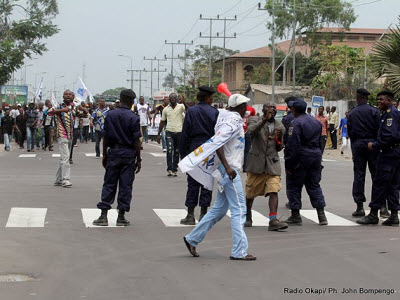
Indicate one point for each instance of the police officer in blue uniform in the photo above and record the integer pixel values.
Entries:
(121, 158)
(362, 126)
(198, 127)
(303, 156)
(385, 184)
(288, 117)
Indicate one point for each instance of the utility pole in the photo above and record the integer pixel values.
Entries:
(139, 80)
(151, 81)
(172, 56)
(273, 47)
(158, 68)
(131, 80)
(224, 37)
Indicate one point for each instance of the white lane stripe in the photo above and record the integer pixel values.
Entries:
(26, 217)
(92, 154)
(157, 154)
(258, 219)
(56, 155)
(27, 155)
(91, 214)
(333, 220)
(172, 217)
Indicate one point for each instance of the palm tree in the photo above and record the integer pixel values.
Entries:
(385, 59)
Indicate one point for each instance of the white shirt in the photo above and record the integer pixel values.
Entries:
(143, 113)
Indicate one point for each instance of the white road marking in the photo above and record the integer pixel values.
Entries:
(258, 219)
(157, 154)
(27, 155)
(328, 160)
(26, 217)
(172, 217)
(150, 144)
(92, 154)
(91, 214)
(333, 220)
(56, 155)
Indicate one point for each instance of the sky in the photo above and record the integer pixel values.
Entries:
(94, 32)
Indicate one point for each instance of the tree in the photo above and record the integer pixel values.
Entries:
(22, 37)
(385, 59)
(311, 15)
(114, 92)
(259, 75)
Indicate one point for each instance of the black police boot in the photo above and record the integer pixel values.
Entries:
(393, 220)
(321, 216)
(249, 221)
(102, 220)
(371, 219)
(384, 213)
(359, 211)
(121, 221)
(295, 218)
(203, 212)
(189, 220)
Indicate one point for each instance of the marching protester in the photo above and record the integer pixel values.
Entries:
(263, 164)
(20, 121)
(303, 156)
(143, 111)
(228, 145)
(345, 139)
(173, 115)
(159, 110)
(362, 127)
(48, 123)
(7, 126)
(198, 128)
(40, 129)
(31, 123)
(324, 123)
(98, 118)
(121, 159)
(333, 124)
(385, 183)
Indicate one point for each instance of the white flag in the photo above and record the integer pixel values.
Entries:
(53, 100)
(81, 92)
(38, 94)
(91, 99)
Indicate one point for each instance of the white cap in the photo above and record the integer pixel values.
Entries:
(237, 99)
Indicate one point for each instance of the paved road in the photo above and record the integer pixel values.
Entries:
(149, 261)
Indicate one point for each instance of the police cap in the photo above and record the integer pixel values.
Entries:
(386, 93)
(299, 105)
(206, 89)
(363, 92)
(128, 93)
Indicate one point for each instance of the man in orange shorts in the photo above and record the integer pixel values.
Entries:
(263, 164)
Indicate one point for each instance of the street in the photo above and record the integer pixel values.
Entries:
(65, 259)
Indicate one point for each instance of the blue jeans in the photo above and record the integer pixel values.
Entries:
(31, 137)
(233, 198)
(7, 142)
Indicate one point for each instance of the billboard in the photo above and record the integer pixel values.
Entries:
(14, 94)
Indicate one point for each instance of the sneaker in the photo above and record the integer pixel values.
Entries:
(66, 184)
(164, 150)
(170, 174)
(175, 174)
(58, 183)
(97, 157)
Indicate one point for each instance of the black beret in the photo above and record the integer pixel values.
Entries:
(129, 93)
(363, 92)
(206, 89)
(386, 93)
(299, 105)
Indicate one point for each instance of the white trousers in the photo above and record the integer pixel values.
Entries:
(345, 146)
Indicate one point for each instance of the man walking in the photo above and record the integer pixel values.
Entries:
(7, 126)
(303, 156)
(385, 183)
(263, 164)
(362, 127)
(198, 128)
(99, 116)
(333, 124)
(143, 111)
(159, 110)
(121, 158)
(345, 138)
(21, 127)
(173, 114)
(40, 128)
(230, 140)
(324, 122)
(31, 123)
(49, 123)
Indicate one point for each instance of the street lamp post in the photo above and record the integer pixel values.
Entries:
(126, 56)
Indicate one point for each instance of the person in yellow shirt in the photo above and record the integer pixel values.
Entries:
(333, 125)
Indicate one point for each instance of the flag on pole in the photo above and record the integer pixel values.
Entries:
(81, 92)
(53, 100)
(91, 99)
(38, 94)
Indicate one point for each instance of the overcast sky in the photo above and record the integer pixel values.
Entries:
(94, 32)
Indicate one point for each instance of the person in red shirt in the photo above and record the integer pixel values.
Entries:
(250, 112)
(324, 122)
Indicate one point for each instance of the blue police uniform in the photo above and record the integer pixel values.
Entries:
(121, 128)
(362, 127)
(385, 184)
(198, 127)
(303, 156)
(289, 117)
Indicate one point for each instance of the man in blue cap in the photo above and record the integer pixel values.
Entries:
(198, 128)
(385, 183)
(303, 156)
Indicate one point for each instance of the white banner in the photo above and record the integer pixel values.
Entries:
(81, 92)
(38, 94)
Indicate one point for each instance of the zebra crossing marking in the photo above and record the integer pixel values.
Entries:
(91, 214)
(26, 217)
(333, 220)
(92, 155)
(27, 155)
(157, 154)
(172, 217)
(56, 155)
(258, 219)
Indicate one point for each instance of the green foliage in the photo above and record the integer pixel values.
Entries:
(114, 92)
(23, 37)
(311, 15)
(385, 59)
(306, 68)
(260, 75)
